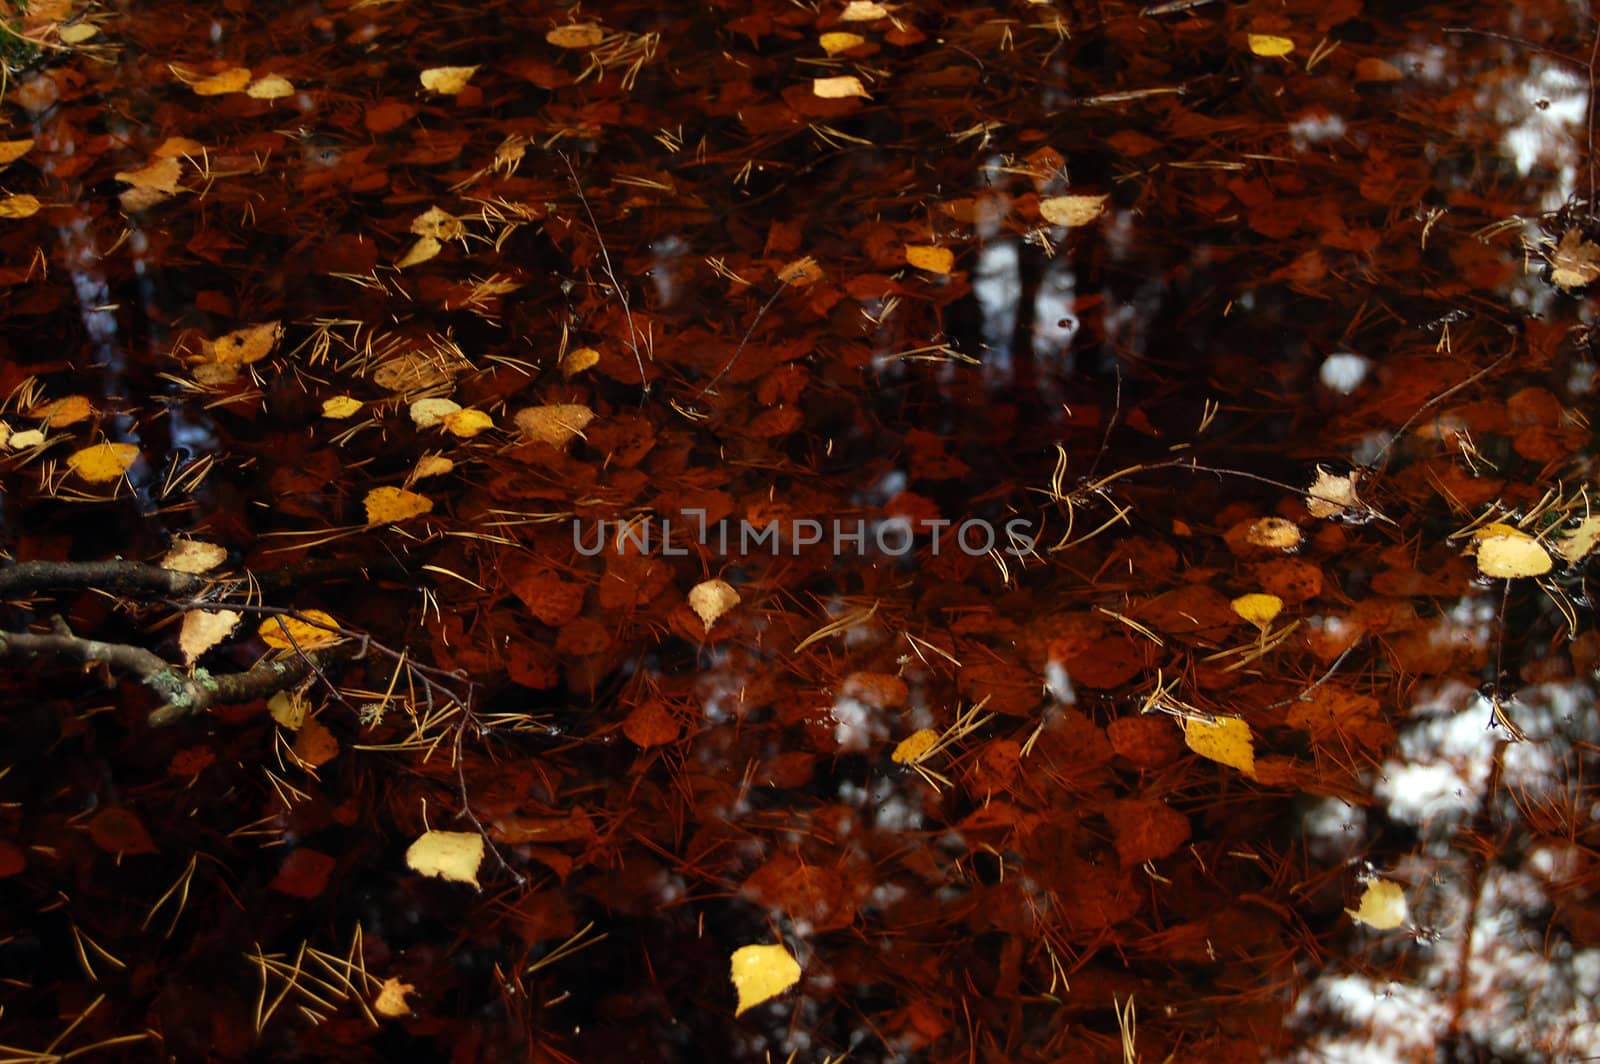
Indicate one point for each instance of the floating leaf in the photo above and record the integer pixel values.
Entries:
(232, 80)
(1383, 906)
(913, 747)
(193, 556)
(289, 709)
(424, 249)
(12, 150)
(452, 855)
(1330, 495)
(271, 87)
(391, 999)
(300, 633)
(23, 206)
(1226, 741)
(557, 424)
(1506, 553)
(1578, 543)
(576, 35)
(1276, 533)
(430, 465)
(1072, 210)
(204, 629)
(387, 505)
(651, 724)
(834, 43)
(841, 87)
(120, 831)
(439, 224)
(467, 423)
(801, 272)
(761, 973)
(710, 599)
(59, 413)
(1269, 46)
(1258, 609)
(426, 413)
(244, 346)
(930, 258)
(340, 407)
(1575, 262)
(578, 360)
(103, 462)
(447, 80)
(863, 11)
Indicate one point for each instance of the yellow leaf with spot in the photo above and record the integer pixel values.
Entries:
(1072, 210)
(103, 462)
(761, 973)
(340, 407)
(276, 632)
(447, 80)
(930, 258)
(1383, 906)
(841, 87)
(1270, 46)
(243, 346)
(387, 506)
(914, 747)
(1259, 609)
(1226, 741)
(452, 855)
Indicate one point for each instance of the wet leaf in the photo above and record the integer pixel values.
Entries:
(576, 361)
(1575, 262)
(1071, 210)
(711, 599)
(244, 346)
(301, 633)
(1506, 553)
(840, 87)
(391, 998)
(576, 35)
(1330, 495)
(761, 973)
(22, 206)
(1258, 609)
(1270, 46)
(1226, 741)
(913, 747)
(451, 855)
(340, 407)
(59, 413)
(834, 43)
(271, 87)
(193, 556)
(121, 832)
(103, 462)
(932, 259)
(231, 80)
(1383, 906)
(557, 424)
(447, 80)
(389, 505)
(204, 629)
(12, 150)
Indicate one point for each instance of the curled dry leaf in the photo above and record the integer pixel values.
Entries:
(103, 462)
(1383, 906)
(388, 505)
(710, 599)
(761, 973)
(204, 629)
(556, 424)
(452, 855)
(289, 633)
(193, 556)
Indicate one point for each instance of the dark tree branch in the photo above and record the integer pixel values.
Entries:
(141, 578)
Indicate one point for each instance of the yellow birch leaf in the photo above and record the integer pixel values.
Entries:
(22, 206)
(710, 599)
(556, 424)
(193, 556)
(452, 855)
(439, 224)
(204, 629)
(761, 973)
(1329, 495)
(912, 748)
(838, 88)
(424, 249)
(177, 148)
(467, 423)
(59, 413)
(426, 413)
(26, 438)
(578, 360)
(1259, 609)
(1510, 554)
(161, 175)
(1072, 210)
(340, 407)
(1227, 742)
(78, 32)
(863, 11)
(391, 999)
(103, 462)
(1575, 261)
(305, 634)
(447, 80)
(1277, 533)
(430, 465)
(271, 87)
(244, 346)
(932, 259)
(288, 709)
(576, 35)
(802, 273)
(1576, 544)
(12, 150)
(1383, 906)
(232, 80)
(1269, 46)
(386, 506)
(834, 43)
